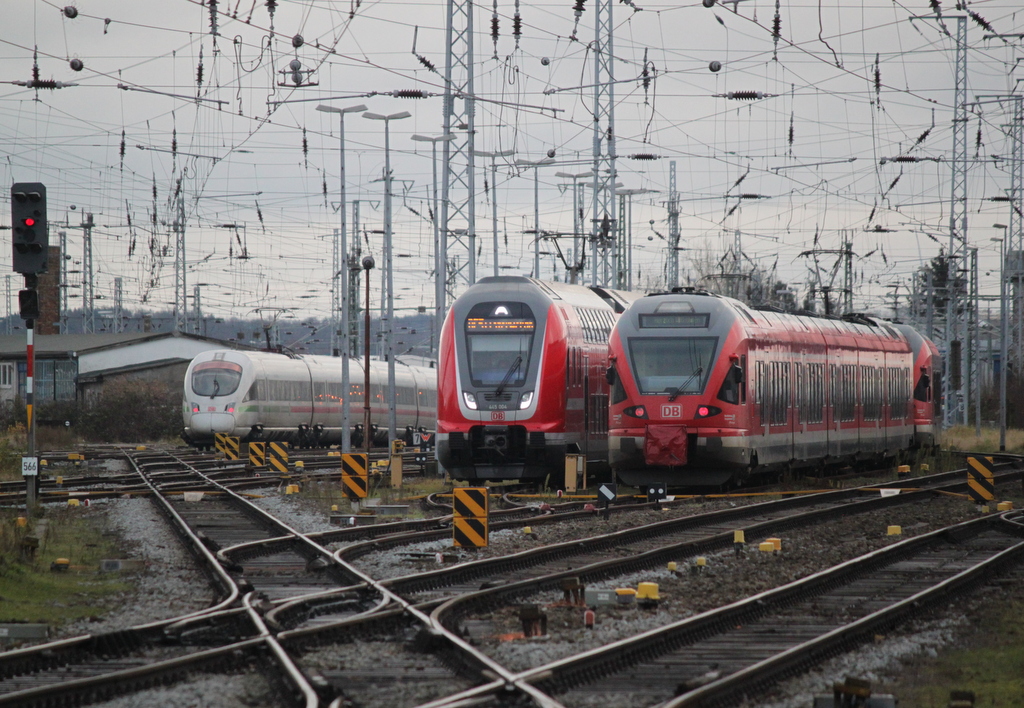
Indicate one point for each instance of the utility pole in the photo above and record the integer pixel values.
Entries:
(88, 290)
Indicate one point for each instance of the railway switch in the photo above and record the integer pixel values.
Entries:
(534, 619)
(572, 591)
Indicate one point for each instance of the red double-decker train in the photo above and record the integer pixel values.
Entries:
(521, 378)
(706, 391)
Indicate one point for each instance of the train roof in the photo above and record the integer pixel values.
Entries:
(579, 295)
(756, 319)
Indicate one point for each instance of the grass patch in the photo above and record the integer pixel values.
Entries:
(964, 437)
(989, 660)
(31, 592)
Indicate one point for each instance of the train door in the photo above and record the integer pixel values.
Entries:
(588, 418)
(800, 406)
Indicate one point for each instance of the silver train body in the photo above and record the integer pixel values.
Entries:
(298, 399)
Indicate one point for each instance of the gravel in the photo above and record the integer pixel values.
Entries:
(727, 578)
(170, 585)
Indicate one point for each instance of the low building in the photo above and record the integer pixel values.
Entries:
(75, 367)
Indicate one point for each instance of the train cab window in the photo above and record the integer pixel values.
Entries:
(618, 391)
(253, 394)
(499, 337)
(922, 392)
(730, 390)
(672, 365)
(216, 378)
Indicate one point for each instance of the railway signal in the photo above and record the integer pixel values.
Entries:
(28, 224)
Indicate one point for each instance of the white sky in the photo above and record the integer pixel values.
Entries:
(70, 138)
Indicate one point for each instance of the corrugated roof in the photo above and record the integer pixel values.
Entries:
(12, 346)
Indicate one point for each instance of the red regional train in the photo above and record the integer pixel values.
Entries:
(706, 391)
(521, 378)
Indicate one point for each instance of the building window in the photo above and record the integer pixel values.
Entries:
(6, 375)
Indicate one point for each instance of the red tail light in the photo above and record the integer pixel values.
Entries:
(707, 411)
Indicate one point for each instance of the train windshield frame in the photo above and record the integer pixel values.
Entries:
(672, 365)
(499, 341)
(216, 378)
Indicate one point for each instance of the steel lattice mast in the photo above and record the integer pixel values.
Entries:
(603, 212)
(957, 369)
(673, 227)
(458, 214)
(1015, 247)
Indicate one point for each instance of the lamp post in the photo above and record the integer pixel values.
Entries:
(439, 265)
(535, 164)
(577, 218)
(341, 267)
(494, 194)
(389, 263)
(367, 432)
(1003, 348)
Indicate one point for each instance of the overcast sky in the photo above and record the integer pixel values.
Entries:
(845, 85)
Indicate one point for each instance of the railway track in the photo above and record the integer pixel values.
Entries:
(734, 653)
(300, 615)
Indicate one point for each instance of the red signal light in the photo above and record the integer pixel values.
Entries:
(703, 411)
(640, 412)
(29, 221)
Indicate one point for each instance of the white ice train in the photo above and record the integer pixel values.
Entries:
(298, 399)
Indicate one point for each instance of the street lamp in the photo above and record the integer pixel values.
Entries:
(340, 301)
(536, 208)
(1003, 348)
(494, 194)
(439, 269)
(388, 263)
(367, 432)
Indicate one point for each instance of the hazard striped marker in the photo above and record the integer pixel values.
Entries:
(219, 442)
(355, 480)
(277, 456)
(257, 454)
(470, 501)
(231, 445)
(469, 532)
(469, 524)
(980, 486)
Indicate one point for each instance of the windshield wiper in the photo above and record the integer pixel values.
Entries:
(674, 393)
(216, 387)
(508, 375)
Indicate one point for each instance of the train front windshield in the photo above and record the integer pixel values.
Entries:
(675, 366)
(499, 337)
(216, 378)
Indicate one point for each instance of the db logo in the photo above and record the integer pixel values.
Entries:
(675, 411)
(497, 415)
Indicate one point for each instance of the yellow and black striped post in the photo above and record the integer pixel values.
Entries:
(980, 486)
(231, 444)
(257, 454)
(277, 456)
(355, 478)
(469, 524)
(219, 442)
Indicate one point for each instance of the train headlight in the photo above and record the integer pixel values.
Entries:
(706, 411)
(525, 400)
(470, 400)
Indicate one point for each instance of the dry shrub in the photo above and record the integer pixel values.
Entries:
(133, 411)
